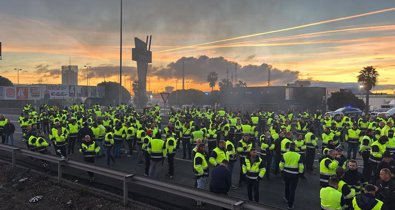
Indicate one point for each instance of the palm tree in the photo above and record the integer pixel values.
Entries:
(367, 78)
(212, 78)
(241, 84)
(225, 85)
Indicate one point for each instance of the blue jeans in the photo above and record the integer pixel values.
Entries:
(201, 184)
(117, 149)
(10, 139)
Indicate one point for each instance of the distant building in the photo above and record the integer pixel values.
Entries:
(300, 83)
(276, 98)
(70, 75)
(169, 89)
(377, 100)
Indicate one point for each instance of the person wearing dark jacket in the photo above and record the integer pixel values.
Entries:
(9, 130)
(367, 201)
(353, 177)
(221, 179)
(386, 192)
(86, 130)
(277, 154)
(387, 162)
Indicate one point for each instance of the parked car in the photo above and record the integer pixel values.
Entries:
(345, 111)
(387, 113)
(378, 111)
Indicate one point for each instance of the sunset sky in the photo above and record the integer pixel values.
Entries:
(320, 40)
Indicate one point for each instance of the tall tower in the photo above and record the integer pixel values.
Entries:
(70, 75)
(143, 56)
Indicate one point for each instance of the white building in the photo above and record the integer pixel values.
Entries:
(70, 75)
(375, 101)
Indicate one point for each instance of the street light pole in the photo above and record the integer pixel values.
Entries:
(120, 59)
(87, 72)
(18, 69)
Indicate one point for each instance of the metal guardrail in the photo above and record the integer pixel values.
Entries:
(183, 191)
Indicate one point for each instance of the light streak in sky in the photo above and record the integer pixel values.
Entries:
(282, 30)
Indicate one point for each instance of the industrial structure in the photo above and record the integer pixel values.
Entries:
(70, 75)
(143, 56)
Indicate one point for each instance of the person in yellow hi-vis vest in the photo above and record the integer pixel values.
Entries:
(331, 198)
(89, 150)
(218, 154)
(328, 166)
(200, 167)
(254, 170)
(367, 200)
(157, 150)
(292, 166)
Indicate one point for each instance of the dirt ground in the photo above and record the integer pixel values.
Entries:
(18, 186)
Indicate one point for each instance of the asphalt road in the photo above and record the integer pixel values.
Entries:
(271, 191)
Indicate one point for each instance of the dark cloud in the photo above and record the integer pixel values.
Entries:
(253, 74)
(109, 71)
(197, 69)
(46, 73)
(250, 57)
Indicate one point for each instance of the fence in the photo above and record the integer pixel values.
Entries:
(183, 191)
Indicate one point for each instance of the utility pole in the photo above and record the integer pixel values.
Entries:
(268, 77)
(236, 73)
(183, 76)
(18, 69)
(87, 76)
(120, 60)
(1, 58)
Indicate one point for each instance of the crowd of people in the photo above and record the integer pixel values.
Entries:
(264, 144)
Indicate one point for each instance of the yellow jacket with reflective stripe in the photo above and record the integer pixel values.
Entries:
(330, 198)
(255, 170)
(220, 156)
(171, 144)
(157, 149)
(89, 150)
(291, 163)
(201, 169)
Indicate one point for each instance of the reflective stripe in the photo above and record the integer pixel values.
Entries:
(325, 174)
(61, 144)
(291, 172)
(156, 155)
(89, 155)
(351, 140)
(373, 160)
(250, 177)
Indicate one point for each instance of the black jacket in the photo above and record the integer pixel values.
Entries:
(383, 164)
(9, 128)
(220, 180)
(386, 193)
(354, 179)
(85, 131)
(366, 201)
